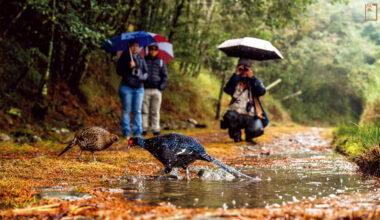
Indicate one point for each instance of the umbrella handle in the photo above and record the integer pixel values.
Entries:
(130, 53)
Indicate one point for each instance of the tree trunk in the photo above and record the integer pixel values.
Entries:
(78, 72)
(43, 87)
(144, 8)
(175, 20)
(121, 28)
(218, 107)
(154, 19)
(68, 62)
(14, 20)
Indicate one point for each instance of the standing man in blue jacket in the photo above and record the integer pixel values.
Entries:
(134, 71)
(245, 110)
(154, 85)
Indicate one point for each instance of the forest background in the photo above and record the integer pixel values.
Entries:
(54, 74)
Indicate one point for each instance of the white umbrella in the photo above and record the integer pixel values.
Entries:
(251, 48)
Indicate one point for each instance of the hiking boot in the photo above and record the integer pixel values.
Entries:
(250, 140)
(156, 133)
(237, 139)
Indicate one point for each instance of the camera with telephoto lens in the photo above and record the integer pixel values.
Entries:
(243, 69)
(136, 72)
(249, 106)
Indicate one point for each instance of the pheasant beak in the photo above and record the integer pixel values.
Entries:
(115, 139)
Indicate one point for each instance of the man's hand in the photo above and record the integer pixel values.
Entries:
(133, 64)
(238, 72)
(249, 72)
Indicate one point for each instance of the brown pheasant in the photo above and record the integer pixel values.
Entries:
(92, 139)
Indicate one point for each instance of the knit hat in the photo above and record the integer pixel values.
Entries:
(245, 62)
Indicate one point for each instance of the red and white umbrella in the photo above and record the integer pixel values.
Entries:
(165, 48)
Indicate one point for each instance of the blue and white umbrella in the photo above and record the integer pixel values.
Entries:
(120, 42)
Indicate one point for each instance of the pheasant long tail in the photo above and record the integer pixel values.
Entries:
(72, 144)
(227, 168)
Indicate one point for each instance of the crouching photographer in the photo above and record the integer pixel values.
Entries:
(245, 110)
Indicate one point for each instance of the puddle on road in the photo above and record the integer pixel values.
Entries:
(301, 166)
(279, 185)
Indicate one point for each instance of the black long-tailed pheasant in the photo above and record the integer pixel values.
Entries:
(92, 139)
(177, 150)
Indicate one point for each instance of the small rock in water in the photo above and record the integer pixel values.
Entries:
(35, 139)
(76, 218)
(225, 206)
(22, 140)
(63, 184)
(252, 155)
(206, 174)
(4, 137)
(175, 172)
(111, 190)
(167, 177)
(63, 195)
(127, 177)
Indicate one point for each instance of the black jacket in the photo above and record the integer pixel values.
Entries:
(126, 72)
(257, 89)
(257, 86)
(157, 73)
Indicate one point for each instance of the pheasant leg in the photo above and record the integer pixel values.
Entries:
(93, 156)
(187, 173)
(80, 156)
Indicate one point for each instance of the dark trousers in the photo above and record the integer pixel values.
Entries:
(234, 121)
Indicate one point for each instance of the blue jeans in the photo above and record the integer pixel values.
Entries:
(131, 98)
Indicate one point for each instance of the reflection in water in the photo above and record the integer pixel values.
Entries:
(279, 185)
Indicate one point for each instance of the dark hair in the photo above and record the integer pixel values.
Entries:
(153, 47)
(133, 41)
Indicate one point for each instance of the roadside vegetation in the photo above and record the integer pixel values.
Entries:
(361, 145)
(360, 140)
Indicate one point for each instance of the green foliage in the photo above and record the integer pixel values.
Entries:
(60, 37)
(330, 53)
(190, 97)
(365, 136)
(329, 60)
(372, 32)
(361, 144)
